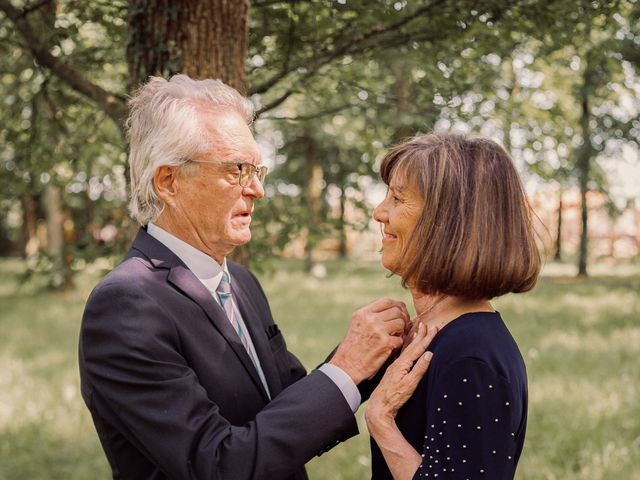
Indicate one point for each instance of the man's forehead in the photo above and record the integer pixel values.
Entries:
(231, 137)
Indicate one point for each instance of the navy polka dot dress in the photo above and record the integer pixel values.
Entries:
(468, 416)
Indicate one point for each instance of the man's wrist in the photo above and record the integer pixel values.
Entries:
(353, 375)
(344, 383)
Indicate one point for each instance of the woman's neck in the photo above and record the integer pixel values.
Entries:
(438, 310)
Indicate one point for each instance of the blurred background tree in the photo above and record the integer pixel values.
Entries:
(334, 83)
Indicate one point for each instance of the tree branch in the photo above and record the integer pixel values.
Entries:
(273, 104)
(113, 105)
(312, 116)
(268, 3)
(31, 8)
(328, 54)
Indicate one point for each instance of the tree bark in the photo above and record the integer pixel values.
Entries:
(401, 91)
(202, 39)
(55, 219)
(612, 237)
(342, 224)
(584, 166)
(636, 218)
(313, 195)
(558, 253)
(29, 242)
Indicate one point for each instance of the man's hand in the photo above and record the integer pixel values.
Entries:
(375, 332)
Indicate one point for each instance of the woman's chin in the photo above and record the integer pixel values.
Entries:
(390, 265)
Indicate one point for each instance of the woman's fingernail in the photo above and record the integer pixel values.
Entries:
(427, 356)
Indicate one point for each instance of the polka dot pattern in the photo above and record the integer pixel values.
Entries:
(468, 416)
(471, 433)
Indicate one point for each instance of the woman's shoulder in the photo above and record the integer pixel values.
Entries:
(478, 337)
(472, 330)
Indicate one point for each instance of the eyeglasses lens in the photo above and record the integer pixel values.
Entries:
(247, 171)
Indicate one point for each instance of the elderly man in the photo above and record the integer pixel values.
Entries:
(182, 367)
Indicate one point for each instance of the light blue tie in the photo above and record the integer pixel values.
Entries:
(226, 300)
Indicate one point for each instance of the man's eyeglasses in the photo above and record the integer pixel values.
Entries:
(247, 171)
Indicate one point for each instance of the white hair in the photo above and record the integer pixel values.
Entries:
(165, 127)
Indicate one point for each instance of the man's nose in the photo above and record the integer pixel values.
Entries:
(255, 189)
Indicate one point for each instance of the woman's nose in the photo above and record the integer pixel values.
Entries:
(379, 213)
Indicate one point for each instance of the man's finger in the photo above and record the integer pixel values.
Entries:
(396, 342)
(391, 314)
(385, 303)
(393, 327)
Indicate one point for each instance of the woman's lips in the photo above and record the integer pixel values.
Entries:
(387, 237)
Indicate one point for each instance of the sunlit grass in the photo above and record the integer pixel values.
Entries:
(580, 340)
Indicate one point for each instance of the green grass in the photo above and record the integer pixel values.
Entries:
(580, 340)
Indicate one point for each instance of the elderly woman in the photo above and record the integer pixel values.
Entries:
(457, 230)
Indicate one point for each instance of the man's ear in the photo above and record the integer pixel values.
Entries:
(165, 183)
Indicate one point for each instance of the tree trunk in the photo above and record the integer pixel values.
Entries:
(29, 242)
(636, 218)
(314, 196)
(514, 90)
(342, 224)
(401, 91)
(202, 39)
(55, 232)
(558, 253)
(612, 235)
(584, 165)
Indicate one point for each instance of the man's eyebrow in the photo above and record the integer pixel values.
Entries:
(238, 157)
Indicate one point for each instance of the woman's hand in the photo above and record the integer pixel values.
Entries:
(400, 380)
(397, 385)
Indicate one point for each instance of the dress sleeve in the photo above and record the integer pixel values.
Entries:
(472, 423)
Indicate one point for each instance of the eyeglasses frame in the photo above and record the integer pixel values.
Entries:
(259, 170)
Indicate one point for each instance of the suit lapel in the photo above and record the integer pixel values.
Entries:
(259, 338)
(183, 279)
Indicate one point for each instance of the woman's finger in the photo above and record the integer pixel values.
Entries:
(409, 382)
(413, 350)
(420, 342)
(420, 368)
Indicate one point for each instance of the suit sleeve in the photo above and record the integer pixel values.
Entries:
(130, 356)
(473, 425)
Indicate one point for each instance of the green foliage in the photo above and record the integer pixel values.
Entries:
(56, 137)
(352, 76)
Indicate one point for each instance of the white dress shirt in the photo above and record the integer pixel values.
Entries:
(209, 272)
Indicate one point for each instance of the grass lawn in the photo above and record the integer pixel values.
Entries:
(580, 340)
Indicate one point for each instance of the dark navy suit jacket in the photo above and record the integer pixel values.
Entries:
(172, 391)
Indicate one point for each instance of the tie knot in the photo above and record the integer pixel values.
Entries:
(224, 287)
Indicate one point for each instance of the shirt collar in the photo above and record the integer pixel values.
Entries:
(208, 271)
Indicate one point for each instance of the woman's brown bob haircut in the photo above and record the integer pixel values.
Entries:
(474, 238)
